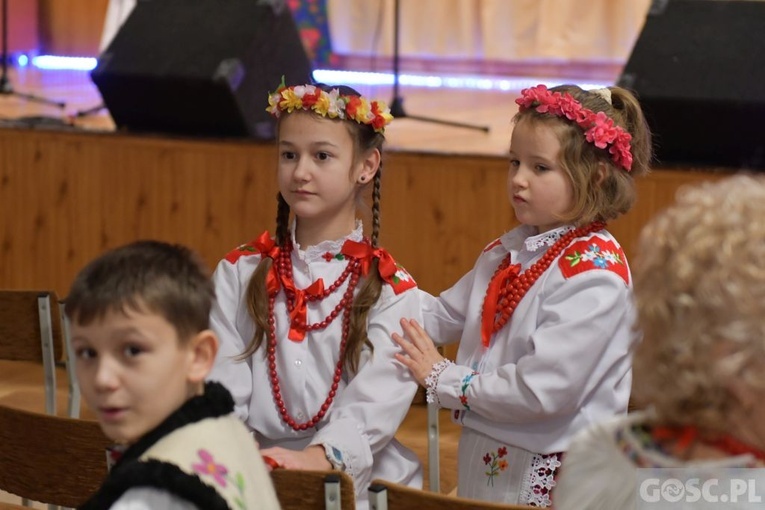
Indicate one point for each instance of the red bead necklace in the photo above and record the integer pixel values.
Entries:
(284, 271)
(298, 297)
(508, 285)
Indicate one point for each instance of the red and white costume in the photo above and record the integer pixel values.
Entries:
(562, 362)
(369, 405)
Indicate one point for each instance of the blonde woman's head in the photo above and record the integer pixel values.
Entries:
(700, 290)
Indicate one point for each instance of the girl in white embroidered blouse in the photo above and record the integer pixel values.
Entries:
(305, 317)
(544, 318)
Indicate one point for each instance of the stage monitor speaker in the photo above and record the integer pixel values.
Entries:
(200, 67)
(698, 68)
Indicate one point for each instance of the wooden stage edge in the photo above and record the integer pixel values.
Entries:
(66, 196)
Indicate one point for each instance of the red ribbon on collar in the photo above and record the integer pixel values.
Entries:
(491, 301)
(365, 254)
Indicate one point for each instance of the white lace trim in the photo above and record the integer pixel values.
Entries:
(431, 381)
(541, 480)
(548, 238)
(317, 251)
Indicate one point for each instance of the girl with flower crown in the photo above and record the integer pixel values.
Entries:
(305, 317)
(545, 316)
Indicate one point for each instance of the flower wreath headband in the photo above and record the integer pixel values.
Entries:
(599, 128)
(330, 104)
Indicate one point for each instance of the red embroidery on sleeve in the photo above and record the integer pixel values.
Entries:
(401, 280)
(263, 245)
(242, 251)
(594, 253)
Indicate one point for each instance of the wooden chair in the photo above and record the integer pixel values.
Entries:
(384, 495)
(434, 457)
(31, 331)
(50, 459)
(314, 490)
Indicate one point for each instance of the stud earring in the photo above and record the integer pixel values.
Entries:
(362, 179)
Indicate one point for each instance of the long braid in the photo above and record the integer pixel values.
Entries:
(376, 207)
(282, 220)
(257, 296)
(370, 290)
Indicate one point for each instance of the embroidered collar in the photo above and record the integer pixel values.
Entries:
(318, 251)
(546, 239)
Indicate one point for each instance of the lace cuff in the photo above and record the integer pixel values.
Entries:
(431, 381)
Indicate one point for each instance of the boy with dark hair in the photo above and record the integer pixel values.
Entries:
(139, 327)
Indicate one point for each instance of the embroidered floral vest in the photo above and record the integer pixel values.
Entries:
(202, 453)
(213, 449)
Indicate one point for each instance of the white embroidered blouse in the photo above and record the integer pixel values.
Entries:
(561, 363)
(369, 405)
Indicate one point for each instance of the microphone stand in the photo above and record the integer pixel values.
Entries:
(6, 88)
(397, 104)
(90, 111)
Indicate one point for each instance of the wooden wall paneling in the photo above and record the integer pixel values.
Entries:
(71, 27)
(66, 197)
(655, 192)
(438, 214)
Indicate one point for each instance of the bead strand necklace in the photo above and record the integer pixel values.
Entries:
(284, 269)
(497, 310)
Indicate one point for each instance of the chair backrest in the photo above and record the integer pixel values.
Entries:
(23, 323)
(31, 330)
(384, 495)
(314, 490)
(11, 506)
(51, 459)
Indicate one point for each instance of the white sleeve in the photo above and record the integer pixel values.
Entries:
(371, 408)
(584, 330)
(444, 316)
(149, 498)
(234, 374)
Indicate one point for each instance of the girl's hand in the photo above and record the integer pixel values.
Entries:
(312, 458)
(420, 352)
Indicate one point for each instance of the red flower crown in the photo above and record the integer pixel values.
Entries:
(599, 128)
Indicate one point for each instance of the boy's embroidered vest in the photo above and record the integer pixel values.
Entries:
(212, 450)
(212, 463)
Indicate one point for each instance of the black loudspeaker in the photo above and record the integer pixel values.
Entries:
(698, 68)
(200, 67)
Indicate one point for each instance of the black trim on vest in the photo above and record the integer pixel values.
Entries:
(214, 403)
(129, 472)
(159, 475)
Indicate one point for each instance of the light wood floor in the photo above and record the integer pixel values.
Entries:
(21, 386)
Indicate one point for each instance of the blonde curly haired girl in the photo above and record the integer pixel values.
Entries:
(699, 284)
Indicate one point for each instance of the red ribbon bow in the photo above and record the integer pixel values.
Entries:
(268, 248)
(299, 314)
(386, 266)
(491, 301)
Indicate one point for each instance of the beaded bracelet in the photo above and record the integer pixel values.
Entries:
(431, 381)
